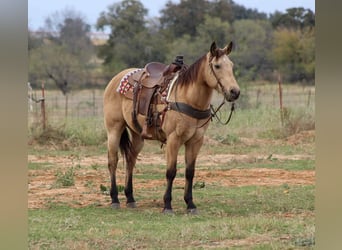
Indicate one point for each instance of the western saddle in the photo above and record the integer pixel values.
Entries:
(150, 87)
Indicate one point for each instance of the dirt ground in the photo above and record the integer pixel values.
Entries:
(88, 179)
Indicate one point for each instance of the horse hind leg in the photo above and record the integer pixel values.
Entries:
(130, 148)
(114, 137)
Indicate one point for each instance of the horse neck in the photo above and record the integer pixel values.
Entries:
(197, 93)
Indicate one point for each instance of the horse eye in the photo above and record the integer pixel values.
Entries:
(217, 66)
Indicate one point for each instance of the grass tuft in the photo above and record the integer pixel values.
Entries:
(66, 179)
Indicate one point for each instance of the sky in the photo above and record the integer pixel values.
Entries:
(39, 10)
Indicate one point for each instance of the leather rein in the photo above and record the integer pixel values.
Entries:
(203, 114)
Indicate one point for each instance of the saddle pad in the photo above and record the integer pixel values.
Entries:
(125, 85)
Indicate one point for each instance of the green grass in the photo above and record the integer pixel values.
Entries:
(39, 165)
(291, 165)
(264, 149)
(75, 151)
(226, 215)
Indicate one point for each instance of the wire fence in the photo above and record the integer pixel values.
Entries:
(88, 103)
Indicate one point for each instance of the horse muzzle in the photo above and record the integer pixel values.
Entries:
(232, 95)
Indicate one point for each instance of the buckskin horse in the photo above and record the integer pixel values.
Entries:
(181, 117)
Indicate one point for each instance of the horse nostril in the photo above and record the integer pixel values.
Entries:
(234, 93)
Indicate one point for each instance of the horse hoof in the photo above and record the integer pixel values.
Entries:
(131, 205)
(167, 211)
(192, 211)
(115, 205)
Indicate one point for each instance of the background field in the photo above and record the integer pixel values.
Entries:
(254, 182)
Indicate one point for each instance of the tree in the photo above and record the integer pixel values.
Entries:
(69, 29)
(183, 18)
(240, 13)
(213, 29)
(33, 41)
(308, 54)
(54, 62)
(131, 43)
(222, 9)
(126, 20)
(294, 54)
(74, 35)
(63, 57)
(296, 18)
(64, 54)
(251, 55)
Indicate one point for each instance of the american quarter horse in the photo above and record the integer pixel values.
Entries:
(185, 120)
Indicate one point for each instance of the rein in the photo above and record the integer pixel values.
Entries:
(215, 111)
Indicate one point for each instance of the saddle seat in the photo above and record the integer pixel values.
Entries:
(154, 74)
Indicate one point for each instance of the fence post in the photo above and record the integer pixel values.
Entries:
(42, 105)
(281, 100)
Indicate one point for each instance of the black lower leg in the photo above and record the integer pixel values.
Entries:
(170, 176)
(129, 189)
(114, 191)
(189, 175)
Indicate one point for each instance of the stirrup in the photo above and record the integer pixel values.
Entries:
(145, 134)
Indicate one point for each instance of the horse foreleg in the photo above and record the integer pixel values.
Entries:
(172, 148)
(191, 151)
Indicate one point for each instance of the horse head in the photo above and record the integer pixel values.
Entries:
(219, 73)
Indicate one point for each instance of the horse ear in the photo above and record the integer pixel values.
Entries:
(228, 48)
(213, 50)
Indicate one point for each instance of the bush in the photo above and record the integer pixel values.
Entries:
(297, 121)
(294, 121)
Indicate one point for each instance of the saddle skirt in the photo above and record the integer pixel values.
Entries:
(126, 84)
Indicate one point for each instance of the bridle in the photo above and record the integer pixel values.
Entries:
(213, 110)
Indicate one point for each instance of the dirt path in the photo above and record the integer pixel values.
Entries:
(86, 191)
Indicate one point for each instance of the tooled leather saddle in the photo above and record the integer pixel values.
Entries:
(148, 87)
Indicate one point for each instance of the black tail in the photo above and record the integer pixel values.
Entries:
(126, 148)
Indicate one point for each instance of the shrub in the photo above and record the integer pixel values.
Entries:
(297, 121)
